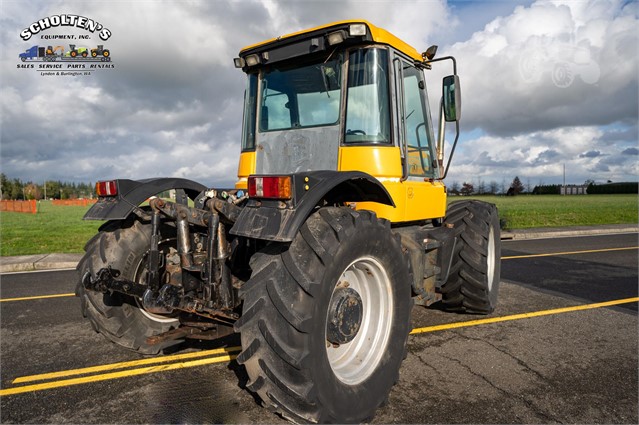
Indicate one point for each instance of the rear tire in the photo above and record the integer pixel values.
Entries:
(473, 282)
(297, 301)
(123, 246)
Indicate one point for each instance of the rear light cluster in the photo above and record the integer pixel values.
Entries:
(106, 188)
(273, 187)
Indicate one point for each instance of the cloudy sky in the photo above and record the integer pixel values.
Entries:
(545, 84)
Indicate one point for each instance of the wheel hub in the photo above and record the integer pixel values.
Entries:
(344, 316)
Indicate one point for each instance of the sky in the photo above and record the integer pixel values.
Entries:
(546, 85)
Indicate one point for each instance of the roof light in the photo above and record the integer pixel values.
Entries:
(239, 62)
(274, 187)
(429, 54)
(252, 60)
(357, 29)
(106, 188)
(335, 38)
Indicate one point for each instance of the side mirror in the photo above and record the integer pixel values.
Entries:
(452, 98)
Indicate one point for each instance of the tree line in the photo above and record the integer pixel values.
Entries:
(17, 189)
(491, 188)
(516, 187)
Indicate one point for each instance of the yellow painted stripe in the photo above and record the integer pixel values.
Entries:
(552, 254)
(212, 360)
(523, 316)
(122, 365)
(114, 375)
(39, 297)
(513, 257)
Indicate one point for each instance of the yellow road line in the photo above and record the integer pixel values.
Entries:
(39, 297)
(123, 365)
(229, 357)
(552, 254)
(114, 375)
(523, 316)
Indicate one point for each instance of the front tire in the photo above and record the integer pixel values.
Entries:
(473, 281)
(120, 318)
(326, 318)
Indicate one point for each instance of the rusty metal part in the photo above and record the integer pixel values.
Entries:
(228, 210)
(223, 250)
(216, 331)
(344, 316)
(172, 270)
(106, 279)
(153, 263)
(194, 216)
(212, 271)
(184, 240)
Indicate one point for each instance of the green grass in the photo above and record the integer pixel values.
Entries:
(527, 211)
(61, 229)
(58, 229)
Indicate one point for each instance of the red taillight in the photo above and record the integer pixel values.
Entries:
(274, 187)
(108, 188)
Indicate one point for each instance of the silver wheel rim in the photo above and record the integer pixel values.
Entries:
(490, 258)
(356, 360)
(140, 272)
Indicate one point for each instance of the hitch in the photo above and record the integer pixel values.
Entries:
(168, 298)
(106, 280)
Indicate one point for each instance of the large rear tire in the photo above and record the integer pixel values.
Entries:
(123, 245)
(473, 282)
(326, 318)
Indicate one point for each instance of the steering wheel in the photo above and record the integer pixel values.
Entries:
(349, 132)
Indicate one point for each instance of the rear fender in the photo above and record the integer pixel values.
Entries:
(131, 193)
(280, 221)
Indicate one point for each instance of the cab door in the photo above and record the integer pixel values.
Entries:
(425, 196)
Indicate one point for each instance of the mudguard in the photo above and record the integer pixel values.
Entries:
(132, 193)
(280, 221)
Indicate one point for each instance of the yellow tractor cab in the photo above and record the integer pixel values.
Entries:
(344, 96)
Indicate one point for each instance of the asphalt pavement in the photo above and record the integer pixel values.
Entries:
(561, 347)
(25, 263)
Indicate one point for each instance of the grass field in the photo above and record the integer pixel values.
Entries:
(521, 212)
(61, 229)
(57, 229)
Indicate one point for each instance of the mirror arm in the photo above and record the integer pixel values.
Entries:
(441, 135)
(452, 150)
(444, 58)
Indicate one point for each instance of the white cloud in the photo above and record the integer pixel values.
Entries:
(542, 84)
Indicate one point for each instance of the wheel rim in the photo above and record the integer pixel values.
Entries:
(356, 360)
(140, 274)
(490, 258)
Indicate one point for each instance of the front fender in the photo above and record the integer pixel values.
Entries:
(275, 222)
(132, 193)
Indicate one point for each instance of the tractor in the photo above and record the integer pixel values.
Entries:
(80, 51)
(337, 225)
(100, 51)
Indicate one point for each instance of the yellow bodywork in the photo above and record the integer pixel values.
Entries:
(379, 35)
(245, 168)
(416, 198)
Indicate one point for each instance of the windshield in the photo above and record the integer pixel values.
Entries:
(307, 96)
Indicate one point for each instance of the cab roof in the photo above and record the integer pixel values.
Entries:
(296, 44)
